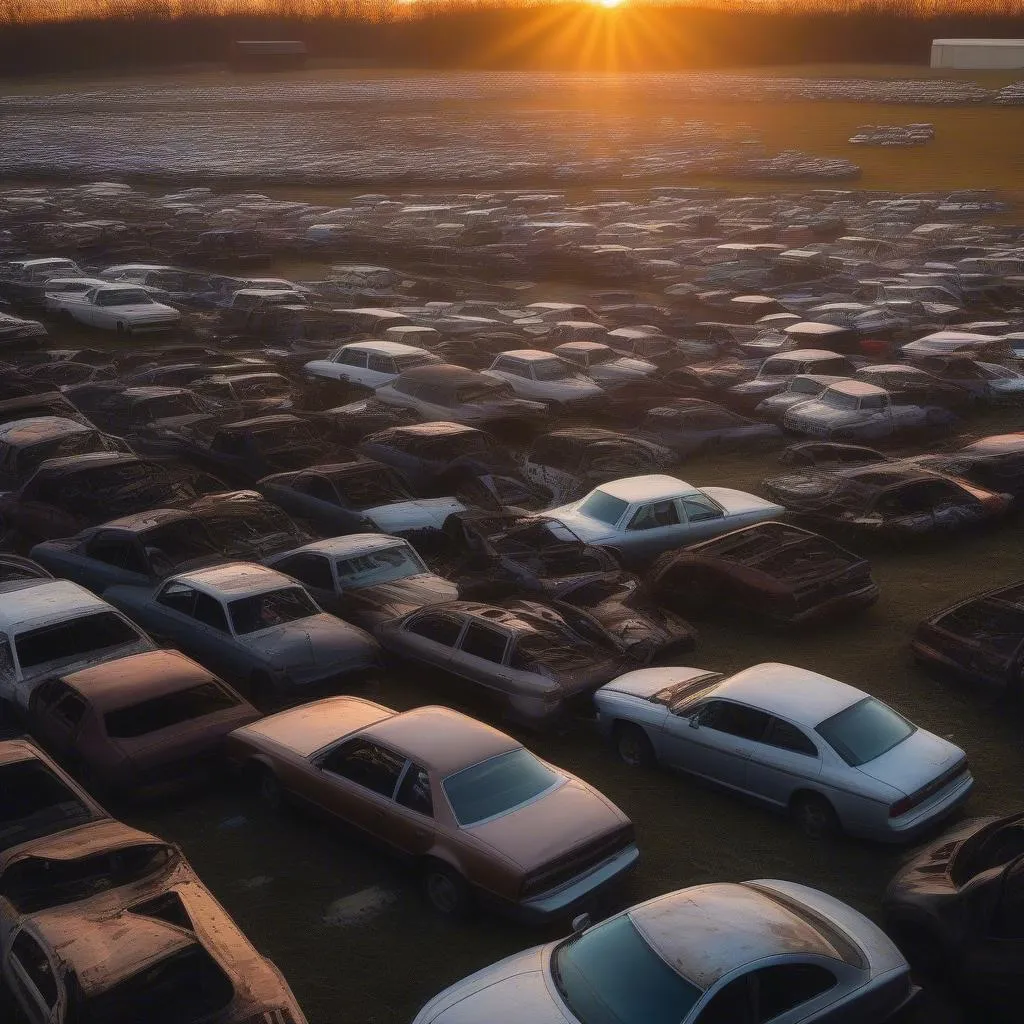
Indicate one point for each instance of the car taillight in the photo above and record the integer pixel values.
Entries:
(901, 807)
(908, 803)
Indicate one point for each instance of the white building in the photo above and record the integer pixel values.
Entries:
(990, 54)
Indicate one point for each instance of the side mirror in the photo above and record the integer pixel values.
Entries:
(581, 923)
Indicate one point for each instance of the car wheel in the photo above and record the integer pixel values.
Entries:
(922, 950)
(634, 746)
(446, 890)
(815, 816)
(269, 788)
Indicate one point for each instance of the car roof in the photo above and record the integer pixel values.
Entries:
(127, 681)
(154, 391)
(37, 429)
(70, 463)
(856, 388)
(652, 487)
(42, 601)
(582, 346)
(435, 428)
(258, 422)
(706, 931)
(235, 579)
(795, 693)
(120, 286)
(140, 522)
(806, 355)
(447, 374)
(997, 444)
(351, 544)
(441, 740)
(529, 355)
(387, 348)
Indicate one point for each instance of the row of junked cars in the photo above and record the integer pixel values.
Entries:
(208, 529)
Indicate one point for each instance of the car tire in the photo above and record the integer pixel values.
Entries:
(446, 890)
(815, 816)
(268, 786)
(633, 746)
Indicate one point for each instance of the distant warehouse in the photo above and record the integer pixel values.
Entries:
(978, 53)
(268, 54)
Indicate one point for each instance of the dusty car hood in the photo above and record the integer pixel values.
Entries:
(550, 826)
(512, 991)
(389, 600)
(422, 514)
(317, 640)
(146, 311)
(738, 502)
(815, 412)
(913, 763)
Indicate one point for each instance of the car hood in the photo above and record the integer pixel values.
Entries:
(551, 826)
(512, 991)
(759, 385)
(915, 762)
(316, 640)
(739, 502)
(422, 514)
(146, 311)
(502, 407)
(646, 682)
(396, 598)
(815, 412)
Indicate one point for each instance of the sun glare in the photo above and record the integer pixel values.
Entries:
(609, 3)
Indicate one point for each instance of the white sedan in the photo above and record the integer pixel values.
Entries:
(125, 308)
(370, 363)
(543, 377)
(638, 517)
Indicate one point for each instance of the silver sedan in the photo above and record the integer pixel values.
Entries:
(834, 757)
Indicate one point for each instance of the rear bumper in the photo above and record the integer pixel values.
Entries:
(922, 820)
(579, 892)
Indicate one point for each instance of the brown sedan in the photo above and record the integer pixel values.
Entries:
(479, 815)
(137, 723)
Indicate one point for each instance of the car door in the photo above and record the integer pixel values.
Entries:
(57, 713)
(716, 741)
(703, 517)
(653, 527)
(112, 559)
(33, 979)
(431, 637)
(316, 572)
(480, 657)
(356, 781)
(197, 624)
(784, 761)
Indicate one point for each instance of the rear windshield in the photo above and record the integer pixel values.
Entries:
(36, 883)
(864, 731)
(497, 786)
(382, 566)
(178, 543)
(79, 443)
(186, 986)
(371, 489)
(35, 802)
(168, 710)
(274, 608)
(119, 490)
(74, 639)
(603, 507)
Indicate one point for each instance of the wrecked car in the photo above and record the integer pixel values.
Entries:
(995, 463)
(448, 392)
(893, 498)
(979, 640)
(543, 377)
(828, 454)
(45, 403)
(773, 571)
(348, 424)
(689, 426)
(247, 394)
(776, 372)
(26, 443)
(150, 418)
(138, 724)
(954, 911)
(370, 363)
(360, 495)
(801, 388)
(533, 661)
(988, 382)
(569, 462)
(603, 365)
(14, 567)
(48, 626)
(365, 578)
(254, 627)
(66, 495)
(506, 828)
(852, 411)
(636, 518)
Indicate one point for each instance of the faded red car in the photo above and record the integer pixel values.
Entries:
(481, 817)
(137, 723)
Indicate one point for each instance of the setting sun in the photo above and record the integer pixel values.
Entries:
(609, 3)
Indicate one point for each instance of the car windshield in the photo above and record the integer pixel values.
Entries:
(803, 386)
(408, 361)
(73, 639)
(497, 786)
(605, 508)
(602, 355)
(864, 731)
(482, 393)
(273, 608)
(370, 489)
(283, 435)
(35, 883)
(840, 400)
(169, 406)
(610, 975)
(123, 297)
(167, 710)
(188, 985)
(382, 566)
(34, 802)
(552, 369)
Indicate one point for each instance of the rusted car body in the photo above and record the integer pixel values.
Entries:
(774, 571)
(140, 723)
(471, 807)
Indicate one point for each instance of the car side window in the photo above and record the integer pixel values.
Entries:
(177, 596)
(697, 508)
(70, 709)
(788, 737)
(442, 629)
(484, 642)
(734, 719)
(117, 551)
(36, 965)
(779, 989)
(313, 570)
(414, 791)
(732, 1005)
(210, 612)
(654, 515)
(367, 765)
(381, 364)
